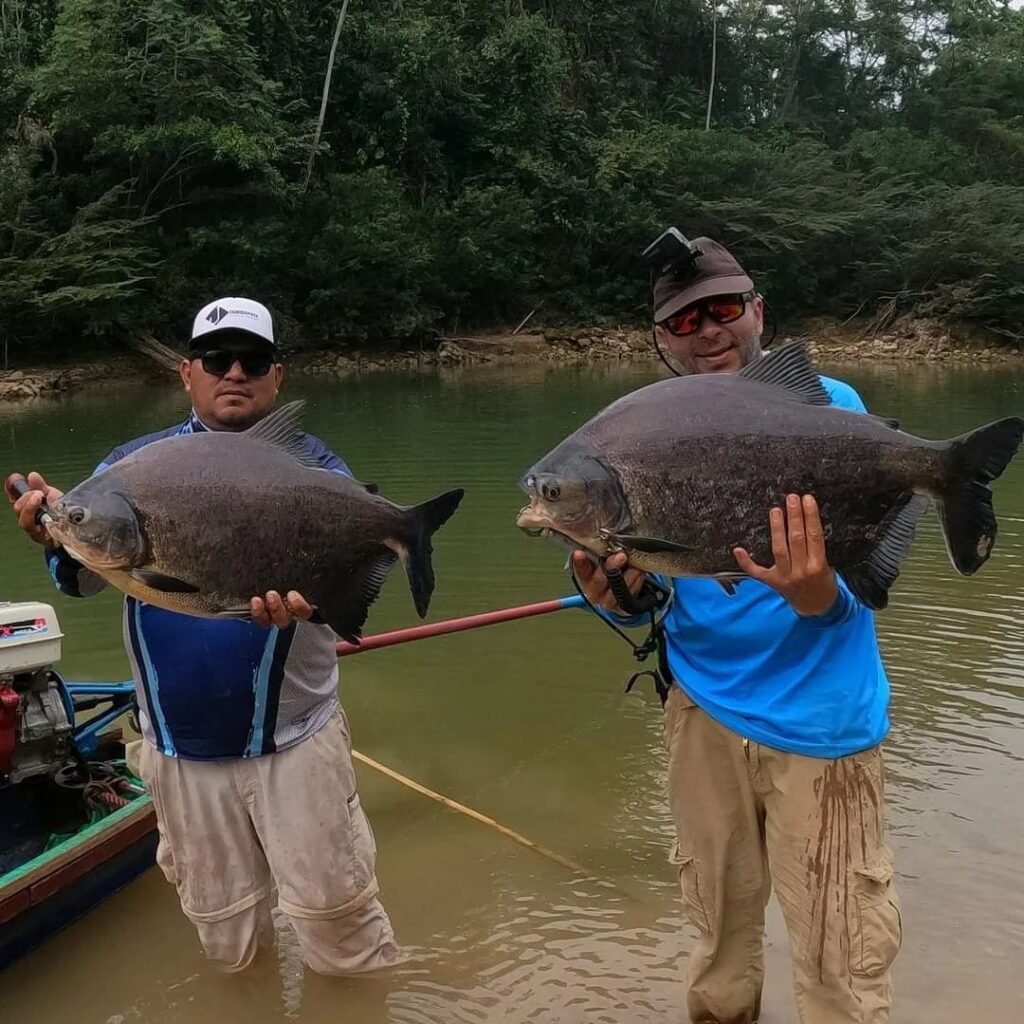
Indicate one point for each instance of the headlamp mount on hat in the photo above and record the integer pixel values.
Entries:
(672, 252)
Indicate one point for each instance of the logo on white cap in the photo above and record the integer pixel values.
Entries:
(235, 314)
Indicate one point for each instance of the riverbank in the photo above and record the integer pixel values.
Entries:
(27, 384)
(908, 341)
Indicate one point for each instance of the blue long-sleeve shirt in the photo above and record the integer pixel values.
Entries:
(812, 685)
(218, 688)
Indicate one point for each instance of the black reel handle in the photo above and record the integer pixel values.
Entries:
(649, 597)
(18, 486)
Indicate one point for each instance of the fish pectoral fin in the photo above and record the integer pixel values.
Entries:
(728, 583)
(791, 369)
(161, 581)
(652, 545)
(870, 579)
(346, 607)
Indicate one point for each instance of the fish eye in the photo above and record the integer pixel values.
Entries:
(78, 515)
(552, 492)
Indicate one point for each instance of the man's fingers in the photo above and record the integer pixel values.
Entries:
(796, 532)
(20, 504)
(297, 605)
(749, 566)
(258, 610)
(279, 615)
(816, 555)
(616, 561)
(634, 579)
(26, 508)
(780, 544)
(274, 610)
(9, 483)
(583, 566)
(591, 579)
(37, 483)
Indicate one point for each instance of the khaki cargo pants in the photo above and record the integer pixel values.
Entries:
(230, 831)
(748, 817)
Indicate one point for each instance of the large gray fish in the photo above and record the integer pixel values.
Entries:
(203, 522)
(680, 472)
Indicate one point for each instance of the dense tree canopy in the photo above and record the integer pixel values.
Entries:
(478, 157)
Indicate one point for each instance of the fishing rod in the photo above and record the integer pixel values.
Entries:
(457, 625)
(18, 486)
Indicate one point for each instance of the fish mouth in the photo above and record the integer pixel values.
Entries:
(535, 524)
(89, 558)
(532, 522)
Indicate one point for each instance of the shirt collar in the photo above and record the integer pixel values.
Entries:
(194, 425)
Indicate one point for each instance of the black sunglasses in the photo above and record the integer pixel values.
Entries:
(218, 361)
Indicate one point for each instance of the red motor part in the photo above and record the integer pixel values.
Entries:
(9, 702)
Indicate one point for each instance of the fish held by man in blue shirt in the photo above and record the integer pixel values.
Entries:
(202, 523)
(680, 473)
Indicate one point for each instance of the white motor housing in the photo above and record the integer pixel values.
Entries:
(30, 637)
(35, 724)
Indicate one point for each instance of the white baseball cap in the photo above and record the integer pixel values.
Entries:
(234, 314)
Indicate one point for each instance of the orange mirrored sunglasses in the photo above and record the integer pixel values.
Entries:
(723, 309)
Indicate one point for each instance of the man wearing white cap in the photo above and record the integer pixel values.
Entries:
(246, 749)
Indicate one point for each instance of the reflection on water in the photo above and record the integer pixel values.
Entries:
(528, 723)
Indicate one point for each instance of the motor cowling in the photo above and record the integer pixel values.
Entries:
(36, 725)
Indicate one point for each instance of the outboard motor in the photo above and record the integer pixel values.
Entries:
(36, 712)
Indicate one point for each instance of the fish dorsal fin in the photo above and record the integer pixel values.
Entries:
(281, 430)
(790, 368)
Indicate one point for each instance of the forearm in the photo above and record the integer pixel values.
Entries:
(69, 576)
(844, 608)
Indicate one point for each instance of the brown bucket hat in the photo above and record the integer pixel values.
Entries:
(718, 273)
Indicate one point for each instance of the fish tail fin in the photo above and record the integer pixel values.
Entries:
(422, 522)
(964, 498)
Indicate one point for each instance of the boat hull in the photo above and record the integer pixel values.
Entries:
(57, 887)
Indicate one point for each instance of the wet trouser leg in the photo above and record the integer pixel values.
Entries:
(748, 817)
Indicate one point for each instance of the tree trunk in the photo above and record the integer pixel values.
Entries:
(326, 94)
(714, 62)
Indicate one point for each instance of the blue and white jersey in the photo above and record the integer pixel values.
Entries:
(218, 688)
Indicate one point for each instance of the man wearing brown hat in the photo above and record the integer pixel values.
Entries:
(776, 708)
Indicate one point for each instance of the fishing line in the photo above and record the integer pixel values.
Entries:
(454, 805)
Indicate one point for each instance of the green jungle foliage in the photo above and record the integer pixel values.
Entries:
(478, 157)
